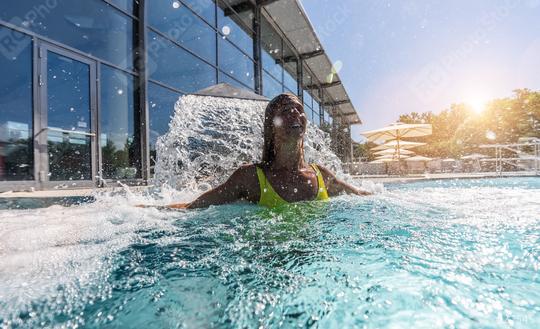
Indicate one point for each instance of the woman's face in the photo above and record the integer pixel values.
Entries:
(289, 122)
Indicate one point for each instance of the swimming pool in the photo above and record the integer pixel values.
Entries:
(459, 253)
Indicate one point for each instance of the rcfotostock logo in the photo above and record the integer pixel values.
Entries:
(13, 43)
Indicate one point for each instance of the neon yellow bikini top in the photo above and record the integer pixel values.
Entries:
(269, 197)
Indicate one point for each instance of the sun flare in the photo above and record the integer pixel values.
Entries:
(477, 104)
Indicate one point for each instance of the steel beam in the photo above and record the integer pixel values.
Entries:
(323, 85)
(304, 56)
(246, 6)
(335, 103)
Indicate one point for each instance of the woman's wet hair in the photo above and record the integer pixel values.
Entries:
(272, 108)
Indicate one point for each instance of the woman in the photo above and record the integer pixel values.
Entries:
(282, 176)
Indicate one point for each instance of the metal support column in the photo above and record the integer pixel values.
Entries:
(299, 75)
(142, 87)
(257, 49)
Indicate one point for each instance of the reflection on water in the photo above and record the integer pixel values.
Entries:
(430, 254)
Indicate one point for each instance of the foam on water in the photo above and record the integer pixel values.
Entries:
(425, 254)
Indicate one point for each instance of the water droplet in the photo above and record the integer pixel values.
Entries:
(265, 190)
(226, 30)
(120, 91)
(295, 190)
(321, 189)
(491, 135)
(176, 4)
(71, 109)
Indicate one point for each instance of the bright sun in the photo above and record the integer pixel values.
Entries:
(477, 104)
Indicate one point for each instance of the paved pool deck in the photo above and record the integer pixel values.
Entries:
(409, 178)
(87, 192)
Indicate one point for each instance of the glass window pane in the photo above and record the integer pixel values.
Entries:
(316, 117)
(235, 29)
(270, 66)
(188, 73)
(16, 146)
(308, 101)
(128, 6)
(180, 24)
(91, 26)
(309, 114)
(120, 147)
(68, 118)
(271, 87)
(233, 82)
(271, 49)
(204, 8)
(306, 78)
(290, 82)
(236, 64)
(161, 103)
(286, 90)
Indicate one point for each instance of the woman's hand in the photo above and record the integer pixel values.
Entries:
(336, 186)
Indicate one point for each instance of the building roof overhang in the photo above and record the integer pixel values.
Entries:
(290, 17)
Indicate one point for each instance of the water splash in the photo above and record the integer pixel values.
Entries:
(209, 137)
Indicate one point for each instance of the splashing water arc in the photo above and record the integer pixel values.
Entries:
(209, 137)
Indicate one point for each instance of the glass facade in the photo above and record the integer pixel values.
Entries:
(94, 27)
(129, 6)
(72, 110)
(68, 118)
(236, 28)
(206, 9)
(182, 25)
(161, 109)
(119, 143)
(188, 73)
(236, 64)
(271, 86)
(16, 145)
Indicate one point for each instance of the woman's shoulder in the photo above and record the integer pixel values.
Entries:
(245, 178)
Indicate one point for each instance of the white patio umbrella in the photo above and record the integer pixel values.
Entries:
(383, 160)
(418, 158)
(398, 131)
(394, 151)
(392, 156)
(393, 144)
(474, 156)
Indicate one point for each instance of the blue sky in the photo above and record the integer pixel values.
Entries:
(404, 56)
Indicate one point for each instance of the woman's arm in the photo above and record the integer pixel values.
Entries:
(336, 186)
(240, 186)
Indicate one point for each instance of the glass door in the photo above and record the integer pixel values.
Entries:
(68, 97)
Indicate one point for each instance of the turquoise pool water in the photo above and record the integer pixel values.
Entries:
(433, 254)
